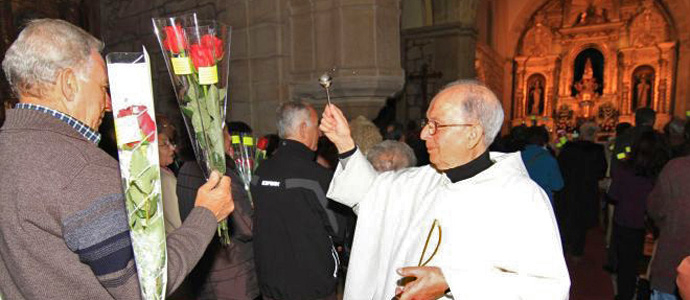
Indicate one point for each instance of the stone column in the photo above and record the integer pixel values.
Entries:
(356, 41)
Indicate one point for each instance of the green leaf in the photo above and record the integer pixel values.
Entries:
(143, 174)
(187, 111)
(192, 93)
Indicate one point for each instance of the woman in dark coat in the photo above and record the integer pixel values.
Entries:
(582, 164)
(633, 181)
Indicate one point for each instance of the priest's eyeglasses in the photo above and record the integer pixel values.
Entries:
(434, 126)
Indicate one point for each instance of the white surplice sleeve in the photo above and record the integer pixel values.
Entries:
(352, 180)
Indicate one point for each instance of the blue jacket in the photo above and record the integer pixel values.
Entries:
(543, 169)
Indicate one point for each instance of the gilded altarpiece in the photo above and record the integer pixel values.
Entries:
(588, 60)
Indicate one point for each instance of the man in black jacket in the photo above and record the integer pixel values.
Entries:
(293, 229)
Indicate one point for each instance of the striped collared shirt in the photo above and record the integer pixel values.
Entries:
(83, 129)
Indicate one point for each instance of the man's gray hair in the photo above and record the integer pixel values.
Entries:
(44, 48)
(391, 155)
(290, 115)
(481, 104)
(588, 131)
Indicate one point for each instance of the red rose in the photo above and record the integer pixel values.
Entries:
(175, 40)
(215, 44)
(201, 56)
(146, 123)
(262, 143)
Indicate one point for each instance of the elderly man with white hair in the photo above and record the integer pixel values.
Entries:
(65, 233)
(470, 226)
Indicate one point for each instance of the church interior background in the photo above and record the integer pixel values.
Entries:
(551, 62)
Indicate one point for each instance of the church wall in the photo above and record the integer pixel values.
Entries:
(446, 47)
(357, 42)
(412, 14)
(446, 51)
(279, 48)
(680, 10)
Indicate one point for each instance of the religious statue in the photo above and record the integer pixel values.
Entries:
(592, 15)
(588, 85)
(586, 88)
(643, 90)
(536, 95)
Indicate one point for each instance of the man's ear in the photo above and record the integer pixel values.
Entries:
(302, 130)
(474, 136)
(68, 84)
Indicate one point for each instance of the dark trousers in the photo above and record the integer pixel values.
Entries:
(577, 238)
(629, 244)
(573, 237)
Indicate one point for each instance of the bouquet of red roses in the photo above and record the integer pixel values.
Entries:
(196, 54)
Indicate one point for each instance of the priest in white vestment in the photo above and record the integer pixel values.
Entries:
(494, 234)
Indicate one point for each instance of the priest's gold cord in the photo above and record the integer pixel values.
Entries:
(426, 244)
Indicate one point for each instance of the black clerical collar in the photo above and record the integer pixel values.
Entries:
(470, 169)
(297, 149)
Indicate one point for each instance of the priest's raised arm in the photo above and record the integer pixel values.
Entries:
(334, 125)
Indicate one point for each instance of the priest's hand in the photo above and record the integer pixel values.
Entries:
(428, 283)
(334, 126)
(683, 280)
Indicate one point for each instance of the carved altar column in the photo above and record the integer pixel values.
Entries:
(518, 107)
(668, 53)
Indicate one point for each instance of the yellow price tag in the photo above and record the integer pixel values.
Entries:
(627, 149)
(687, 113)
(248, 140)
(621, 155)
(235, 139)
(181, 65)
(208, 75)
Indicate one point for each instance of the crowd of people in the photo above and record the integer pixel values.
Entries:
(429, 212)
(630, 183)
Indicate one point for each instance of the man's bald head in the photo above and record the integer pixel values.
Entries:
(463, 120)
(471, 100)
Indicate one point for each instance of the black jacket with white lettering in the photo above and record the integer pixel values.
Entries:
(293, 249)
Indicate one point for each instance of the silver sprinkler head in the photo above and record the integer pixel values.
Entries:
(325, 80)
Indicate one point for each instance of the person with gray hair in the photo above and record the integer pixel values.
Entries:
(391, 156)
(291, 116)
(294, 225)
(500, 239)
(68, 237)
